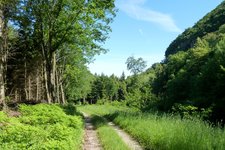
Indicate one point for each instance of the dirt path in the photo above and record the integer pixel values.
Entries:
(91, 141)
(132, 144)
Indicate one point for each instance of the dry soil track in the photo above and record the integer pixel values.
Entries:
(91, 141)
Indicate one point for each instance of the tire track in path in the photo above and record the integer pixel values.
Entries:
(91, 141)
(132, 144)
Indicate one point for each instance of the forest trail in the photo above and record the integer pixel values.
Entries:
(132, 144)
(91, 141)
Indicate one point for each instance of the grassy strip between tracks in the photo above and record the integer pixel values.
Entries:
(109, 139)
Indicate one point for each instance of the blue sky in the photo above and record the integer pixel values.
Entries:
(145, 28)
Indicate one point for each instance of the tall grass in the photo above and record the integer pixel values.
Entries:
(170, 132)
(165, 132)
(108, 137)
(102, 109)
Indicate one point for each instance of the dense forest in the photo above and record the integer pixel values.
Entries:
(45, 46)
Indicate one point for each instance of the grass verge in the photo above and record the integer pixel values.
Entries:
(161, 132)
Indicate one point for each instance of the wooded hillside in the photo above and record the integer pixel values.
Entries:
(209, 23)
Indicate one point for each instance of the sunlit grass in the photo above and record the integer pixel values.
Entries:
(167, 132)
(101, 109)
(108, 137)
(170, 132)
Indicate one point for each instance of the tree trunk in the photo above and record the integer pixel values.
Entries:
(47, 83)
(2, 58)
(16, 95)
(25, 78)
(29, 88)
(53, 77)
(57, 87)
(2, 83)
(37, 86)
(62, 94)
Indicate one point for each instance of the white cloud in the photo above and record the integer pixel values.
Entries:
(135, 9)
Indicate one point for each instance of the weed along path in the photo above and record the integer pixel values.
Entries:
(131, 143)
(91, 141)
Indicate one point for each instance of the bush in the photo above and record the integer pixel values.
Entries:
(189, 111)
(41, 126)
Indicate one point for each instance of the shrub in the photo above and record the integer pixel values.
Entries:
(41, 126)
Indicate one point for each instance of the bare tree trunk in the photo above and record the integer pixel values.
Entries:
(25, 79)
(50, 79)
(62, 94)
(3, 56)
(37, 87)
(53, 77)
(57, 87)
(16, 97)
(29, 88)
(2, 83)
(47, 84)
(42, 88)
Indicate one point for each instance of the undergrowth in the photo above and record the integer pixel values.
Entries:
(41, 126)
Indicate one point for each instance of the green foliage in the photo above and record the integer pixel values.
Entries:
(79, 82)
(135, 65)
(139, 90)
(57, 38)
(195, 77)
(189, 111)
(106, 89)
(41, 127)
